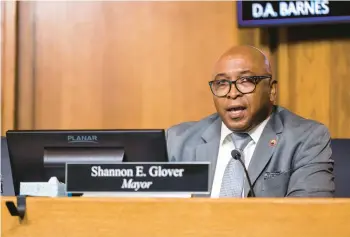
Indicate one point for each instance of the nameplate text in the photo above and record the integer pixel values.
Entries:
(137, 177)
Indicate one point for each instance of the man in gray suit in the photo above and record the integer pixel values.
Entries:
(286, 155)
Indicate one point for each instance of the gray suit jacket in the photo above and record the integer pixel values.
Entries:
(299, 165)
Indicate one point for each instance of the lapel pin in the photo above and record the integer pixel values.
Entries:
(273, 142)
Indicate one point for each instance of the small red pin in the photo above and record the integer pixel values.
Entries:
(273, 142)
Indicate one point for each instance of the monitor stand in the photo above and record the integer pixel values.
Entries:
(55, 159)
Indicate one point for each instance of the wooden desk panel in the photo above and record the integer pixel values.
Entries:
(85, 217)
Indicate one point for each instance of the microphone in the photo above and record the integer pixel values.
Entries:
(236, 154)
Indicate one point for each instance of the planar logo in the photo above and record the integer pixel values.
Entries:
(77, 139)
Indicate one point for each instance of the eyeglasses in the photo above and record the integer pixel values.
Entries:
(245, 85)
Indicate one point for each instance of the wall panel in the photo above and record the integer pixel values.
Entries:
(8, 64)
(25, 89)
(340, 87)
(313, 69)
(126, 64)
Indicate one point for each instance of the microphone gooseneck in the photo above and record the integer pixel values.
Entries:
(236, 154)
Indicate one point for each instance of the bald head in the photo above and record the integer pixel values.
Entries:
(243, 89)
(254, 56)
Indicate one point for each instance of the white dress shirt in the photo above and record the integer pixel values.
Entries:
(224, 155)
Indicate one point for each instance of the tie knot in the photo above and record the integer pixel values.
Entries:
(241, 140)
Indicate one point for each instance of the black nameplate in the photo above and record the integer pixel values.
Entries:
(279, 13)
(138, 177)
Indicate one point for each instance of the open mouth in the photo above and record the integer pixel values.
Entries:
(236, 108)
(236, 112)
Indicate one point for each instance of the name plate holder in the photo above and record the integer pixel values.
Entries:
(137, 179)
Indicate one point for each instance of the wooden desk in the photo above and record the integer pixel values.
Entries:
(119, 217)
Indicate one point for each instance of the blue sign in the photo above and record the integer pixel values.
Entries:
(279, 13)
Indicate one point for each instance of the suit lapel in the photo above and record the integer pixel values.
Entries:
(264, 150)
(208, 151)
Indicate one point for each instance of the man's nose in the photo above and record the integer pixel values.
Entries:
(234, 93)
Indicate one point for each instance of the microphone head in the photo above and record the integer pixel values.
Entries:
(236, 154)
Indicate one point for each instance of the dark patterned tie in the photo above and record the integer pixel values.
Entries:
(233, 179)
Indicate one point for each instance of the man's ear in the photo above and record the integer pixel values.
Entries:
(273, 91)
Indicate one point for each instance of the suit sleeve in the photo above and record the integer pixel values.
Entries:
(312, 173)
(174, 139)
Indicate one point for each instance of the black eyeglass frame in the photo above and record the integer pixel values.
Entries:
(255, 79)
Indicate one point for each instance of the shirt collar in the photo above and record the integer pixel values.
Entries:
(255, 133)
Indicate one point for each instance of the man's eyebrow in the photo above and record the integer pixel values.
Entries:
(243, 72)
(221, 75)
(246, 72)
